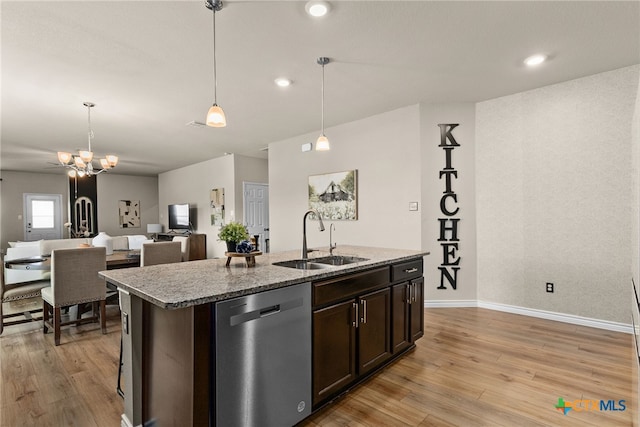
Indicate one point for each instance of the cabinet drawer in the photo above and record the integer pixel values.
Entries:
(349, 286)
(406, 270)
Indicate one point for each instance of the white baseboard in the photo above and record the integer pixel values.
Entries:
(543, 314)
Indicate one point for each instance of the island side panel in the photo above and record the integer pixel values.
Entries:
(176, 363)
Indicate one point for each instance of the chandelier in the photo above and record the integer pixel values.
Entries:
(81, 164)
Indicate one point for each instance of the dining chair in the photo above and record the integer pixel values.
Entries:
(75, 281)
(17, 293)
(184, 246)
(160, 253)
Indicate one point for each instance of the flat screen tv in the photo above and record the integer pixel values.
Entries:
(181, 217)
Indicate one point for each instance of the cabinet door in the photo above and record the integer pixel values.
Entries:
(374, 335)
(400, 312)
(417, 309)
(334, 349)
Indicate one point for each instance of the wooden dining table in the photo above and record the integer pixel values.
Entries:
(119, 259)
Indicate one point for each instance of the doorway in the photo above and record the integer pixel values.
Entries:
(42, 216)
(256, 212)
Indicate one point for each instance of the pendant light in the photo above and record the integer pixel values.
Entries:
(322, 143)
(215, 116)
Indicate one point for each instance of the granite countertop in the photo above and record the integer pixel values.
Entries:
(192, 283)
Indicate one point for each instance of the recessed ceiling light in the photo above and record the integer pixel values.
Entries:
(283, 81)
(317, 8)
(534, 60)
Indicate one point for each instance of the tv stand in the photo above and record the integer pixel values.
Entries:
(197, 243)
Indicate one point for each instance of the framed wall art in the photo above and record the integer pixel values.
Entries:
(129, 213)
(334, 195)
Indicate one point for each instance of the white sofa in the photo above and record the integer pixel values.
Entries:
(44, 247)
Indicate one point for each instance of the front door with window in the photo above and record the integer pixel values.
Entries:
(42, 216)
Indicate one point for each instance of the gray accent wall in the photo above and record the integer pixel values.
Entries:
(110, 189)
(554, 196)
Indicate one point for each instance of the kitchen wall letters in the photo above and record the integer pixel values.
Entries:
(448, 206)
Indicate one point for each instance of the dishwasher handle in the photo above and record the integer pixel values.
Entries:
(270, 310)
(262, 312)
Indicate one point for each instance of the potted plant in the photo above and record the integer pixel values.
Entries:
(233, 233)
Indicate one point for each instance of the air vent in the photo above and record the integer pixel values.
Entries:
(195, 124)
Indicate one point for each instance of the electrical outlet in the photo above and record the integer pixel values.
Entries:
(550, 287)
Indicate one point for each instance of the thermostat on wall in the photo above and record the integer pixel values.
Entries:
(413, 206)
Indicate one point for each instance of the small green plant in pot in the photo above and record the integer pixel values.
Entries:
(233, 233)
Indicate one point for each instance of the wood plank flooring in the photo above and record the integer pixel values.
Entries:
(473, 367)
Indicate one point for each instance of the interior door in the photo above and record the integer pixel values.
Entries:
(42, 216)
(256, 212)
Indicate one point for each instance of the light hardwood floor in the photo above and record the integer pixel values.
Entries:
(473, 367)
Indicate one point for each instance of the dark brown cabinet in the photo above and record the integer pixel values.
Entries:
(407, 301)
(374, 329)
(334, 349)
(351, 330)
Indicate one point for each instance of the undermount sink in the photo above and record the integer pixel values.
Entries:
(301, 264)
(338, 260)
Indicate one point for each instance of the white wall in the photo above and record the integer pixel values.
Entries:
(433, 160)
(554, 197)
(192, 184)
(383, 149)
(113, 188)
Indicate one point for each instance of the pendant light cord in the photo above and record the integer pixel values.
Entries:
(215, 76)
(89, 132)
(322, 102)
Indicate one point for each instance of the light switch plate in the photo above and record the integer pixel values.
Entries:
(413, 206)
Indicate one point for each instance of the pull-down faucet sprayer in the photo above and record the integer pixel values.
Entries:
(304, 230)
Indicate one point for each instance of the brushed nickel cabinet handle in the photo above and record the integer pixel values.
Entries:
(354, 323)
(411, 270)
(364, 311)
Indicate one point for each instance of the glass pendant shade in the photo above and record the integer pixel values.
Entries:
(105, 164)
(112, 160)
(86, 156)
(322, 144)
(216, 117)
(64, 157)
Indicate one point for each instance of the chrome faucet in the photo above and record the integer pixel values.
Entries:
(304, 231)
(332, 245)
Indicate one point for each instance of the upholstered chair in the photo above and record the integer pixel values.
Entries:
(17, 292)
(75, 280)
(160, 253)
(184, 246)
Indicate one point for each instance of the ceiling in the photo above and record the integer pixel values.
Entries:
(147, 65)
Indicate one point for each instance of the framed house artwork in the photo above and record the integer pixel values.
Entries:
(129, 213)
(334, 195)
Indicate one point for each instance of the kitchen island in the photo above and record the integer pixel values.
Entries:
(170, 332)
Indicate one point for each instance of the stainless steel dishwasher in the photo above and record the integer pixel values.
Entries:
(263, 358)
